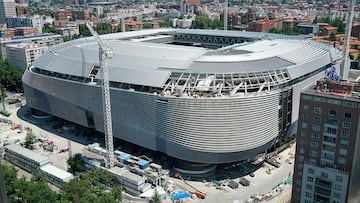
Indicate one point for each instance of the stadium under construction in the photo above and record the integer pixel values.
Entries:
(201, 96)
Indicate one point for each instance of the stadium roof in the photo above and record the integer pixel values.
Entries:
(150, 64)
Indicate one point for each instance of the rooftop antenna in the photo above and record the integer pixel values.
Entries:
(345, 66)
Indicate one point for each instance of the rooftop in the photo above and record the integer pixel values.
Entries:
(55, 171)
(27, 153)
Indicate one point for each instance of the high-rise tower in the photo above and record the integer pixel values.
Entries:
(7, 9)
(327, 161)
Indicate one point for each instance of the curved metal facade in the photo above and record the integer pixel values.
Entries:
(199, 130)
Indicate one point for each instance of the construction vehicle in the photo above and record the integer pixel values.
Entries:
(197, 192)
(105, 53)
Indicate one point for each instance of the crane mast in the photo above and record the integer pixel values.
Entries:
(105, 53)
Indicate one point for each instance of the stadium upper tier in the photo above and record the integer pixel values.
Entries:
(257, 63)
(198, 95)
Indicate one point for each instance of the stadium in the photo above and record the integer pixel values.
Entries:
(202, 96)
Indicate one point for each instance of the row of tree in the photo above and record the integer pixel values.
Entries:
(10, 77)
(95, 186)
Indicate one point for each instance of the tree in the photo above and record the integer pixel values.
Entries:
(10, 77)
(91, 187)
(38, 177)
(117, 193)
(21, 190)
(156, 198)
(332, 37)
(29, 140)
(76, 164)
(84, 31)
(47, 28)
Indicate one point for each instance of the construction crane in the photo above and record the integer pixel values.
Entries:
(105, 53)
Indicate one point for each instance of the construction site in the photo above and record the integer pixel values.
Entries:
(139, 171)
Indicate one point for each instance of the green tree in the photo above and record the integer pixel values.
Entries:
(76, 164)
(38, 177)
(147, 26)
(91, 187)
(84, 31)
(47, 28)
(332, 37)
(20, 190)
(9, 173)
(29, 140)
(10, 77)
(156, 198)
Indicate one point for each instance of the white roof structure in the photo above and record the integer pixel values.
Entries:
(38, 158)
(141, 62)
(57, 172)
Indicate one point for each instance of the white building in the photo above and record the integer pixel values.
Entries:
(7, 9)
(56, 175)
(25, 158)
(25, 21)
(23, 54)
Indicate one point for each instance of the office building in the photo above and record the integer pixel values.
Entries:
(327, 161)
(23, 54)
(25, 21)
(47, 39)
(7, 9)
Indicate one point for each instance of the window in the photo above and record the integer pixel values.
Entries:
(328, 148)
(308, 194)
(313, 153)
(314, 145)
(309, 187)
(337, 187)
(317, 119)
(319, 99)
(329, 139)
(318, 110)
(305, 116)
(332, 101)
(344, 143)
(316, 128)
(307, 97)
(332, 113)
(303, 125)
(343, 151)
(337, 195)
(325, 175)
(310, 179)
(302, 133)
(331, 130)
(301, 150)
(345, 133)
(347, 115)
(315, 136)
(339, 178)
(301, 158)
(346, 124)
(332, 121)
(349, 104)
(311, 170)
(306, 107)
